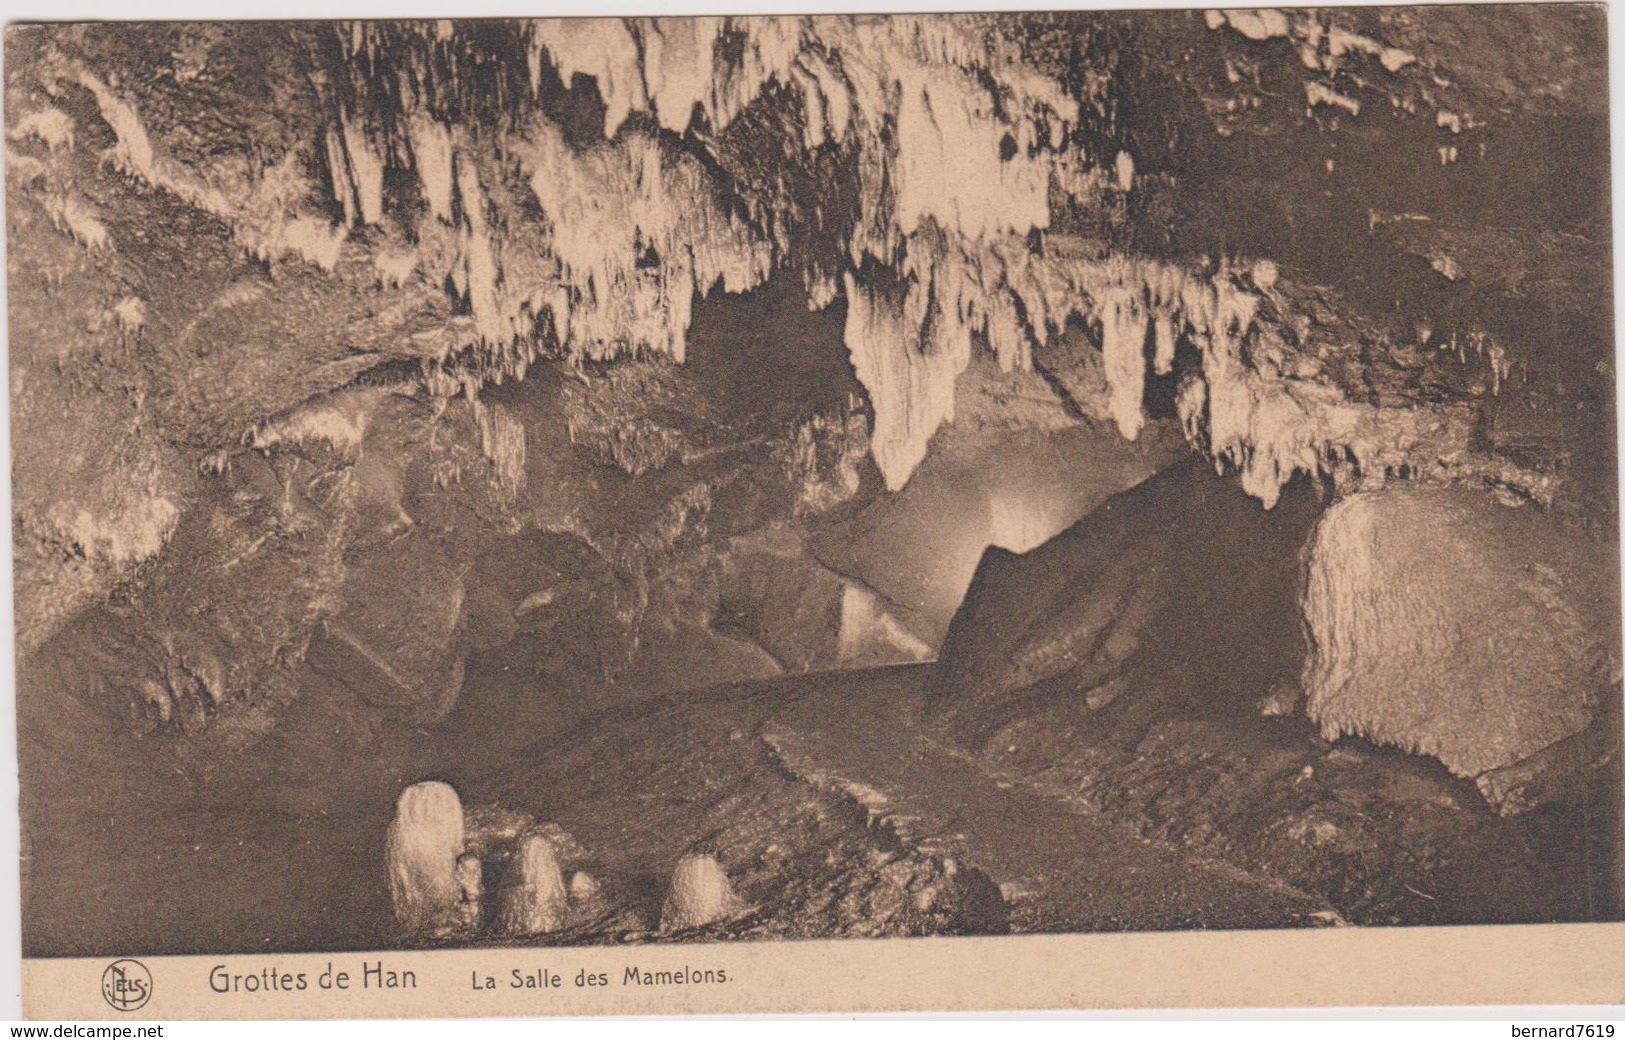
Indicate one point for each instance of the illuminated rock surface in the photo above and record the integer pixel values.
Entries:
(424, 844)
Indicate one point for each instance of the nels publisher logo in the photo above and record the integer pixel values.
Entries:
(126, 985)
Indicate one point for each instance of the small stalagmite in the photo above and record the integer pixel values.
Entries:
(532, 900)
(470, 890)
(424, 843)
(699, 894)
(583, 886)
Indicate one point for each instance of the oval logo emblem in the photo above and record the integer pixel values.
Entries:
(126, 985)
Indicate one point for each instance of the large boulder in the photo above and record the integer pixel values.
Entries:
(802, 614)
(772, 594)
(396, 641)
(1178, 595)
(1448, 624)
(999, 483)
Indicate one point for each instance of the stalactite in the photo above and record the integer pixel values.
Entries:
(502, 441)
(910, 390)
(602, 48)
(135, 529)
(678, 62)
(431, 149)
(268, 222)
(1123, 326)
(478, 263)
(947, 139)
(610, 210)
(53, 127)
(960, 150)
(73, 216)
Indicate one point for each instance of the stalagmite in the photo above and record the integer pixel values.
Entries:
(583, 886)
(532, 899)
(699, 895)
(470, 887)
(421, 852)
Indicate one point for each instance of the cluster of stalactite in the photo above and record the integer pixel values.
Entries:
(634, 221)
(462, 158)
(961, 153)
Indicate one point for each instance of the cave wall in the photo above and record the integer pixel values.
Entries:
(328, 300)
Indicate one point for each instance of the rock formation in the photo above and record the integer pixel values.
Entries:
(700, 894)
(1450, 625)
(421, 855)
(373, 381)
(532, 899)
(471, 890)
(394, 640)
(371, 234)
(1178, 595)
(583, 886)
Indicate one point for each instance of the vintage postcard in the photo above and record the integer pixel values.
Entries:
(815, 513)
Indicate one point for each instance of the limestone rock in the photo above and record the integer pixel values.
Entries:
(422, 849)
(532, 899)
(583, 886)
(775, 596)
(394, 642)
(804, 615)
(565, 846)
(1178, 594)
(1554, 773)
(489, 828)
(870, 636)
(700, 894)
(1077, 370)
(471, 888)
(1449, 625)
(1280, 700)
(918, 549)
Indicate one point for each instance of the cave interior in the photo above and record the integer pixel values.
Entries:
(958, 474)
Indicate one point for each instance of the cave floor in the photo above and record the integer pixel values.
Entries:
(833, 806)
(837, 804)
(1060, 867)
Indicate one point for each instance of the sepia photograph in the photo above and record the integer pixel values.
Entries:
(619, 493)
